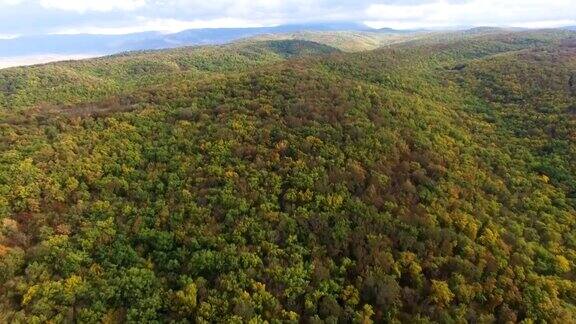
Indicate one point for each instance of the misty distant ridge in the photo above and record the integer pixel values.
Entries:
(110, 44)
(11, 61)
(36, 49)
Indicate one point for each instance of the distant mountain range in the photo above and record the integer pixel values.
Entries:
(109, 44)
(36, 49)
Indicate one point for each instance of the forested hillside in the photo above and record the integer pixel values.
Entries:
(349, 41)
(431, 180)
(89, 80)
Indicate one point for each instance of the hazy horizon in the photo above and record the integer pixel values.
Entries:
(40, 31)
(7, 62)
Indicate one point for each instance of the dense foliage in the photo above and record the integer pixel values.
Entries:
(429, 181)
(90, 80)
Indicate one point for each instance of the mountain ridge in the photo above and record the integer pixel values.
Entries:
(111, 44)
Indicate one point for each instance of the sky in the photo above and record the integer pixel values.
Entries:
(33, 17)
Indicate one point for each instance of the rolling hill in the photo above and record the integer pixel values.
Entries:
(64, 44)
(430, 180)
(88, 80)
(349, 41)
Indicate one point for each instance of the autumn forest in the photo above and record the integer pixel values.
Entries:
(429, 180)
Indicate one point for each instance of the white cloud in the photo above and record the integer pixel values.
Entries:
(10, 2)
(9, 36)
(91, 5)
(161, 25)
(443, 13)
